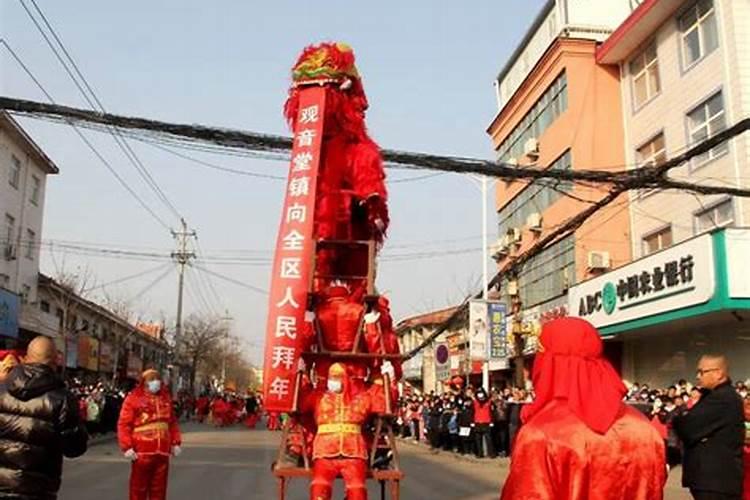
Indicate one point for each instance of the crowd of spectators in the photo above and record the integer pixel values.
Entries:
(468, 421)
(471, 422)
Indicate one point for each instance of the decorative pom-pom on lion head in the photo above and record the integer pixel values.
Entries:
(327, 62)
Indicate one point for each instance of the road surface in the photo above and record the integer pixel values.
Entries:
(233, 463)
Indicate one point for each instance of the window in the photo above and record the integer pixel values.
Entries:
(546, 275)
(657, 240)
(650, 154)
(545, 111)
(4, 281)
(30, 244)
(25, 292)
(15, 171)
(36, 186)
(10, 223)
(44, 306)
(706, 120)
(644, 70)
(534, 199)
(699, 32)
(719, 215)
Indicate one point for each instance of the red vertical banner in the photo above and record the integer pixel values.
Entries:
(290, 275)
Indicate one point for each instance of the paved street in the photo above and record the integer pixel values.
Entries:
(234, 463)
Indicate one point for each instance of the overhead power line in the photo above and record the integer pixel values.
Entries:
(86, 141)
(93, 100)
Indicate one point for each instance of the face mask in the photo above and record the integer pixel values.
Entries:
(334, 385)
(153, 386)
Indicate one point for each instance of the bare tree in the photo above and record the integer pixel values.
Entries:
(201, 344)
(121, 307)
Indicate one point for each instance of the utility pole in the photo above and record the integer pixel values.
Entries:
(226, 318)
(182, 257)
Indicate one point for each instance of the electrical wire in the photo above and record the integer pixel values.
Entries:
(85, 140)
(127, 278)
(96, 103)
(231, 280)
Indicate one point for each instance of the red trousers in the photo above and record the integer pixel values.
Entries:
(148, 478)
(325, 471)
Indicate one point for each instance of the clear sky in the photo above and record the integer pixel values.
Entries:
(428, 68)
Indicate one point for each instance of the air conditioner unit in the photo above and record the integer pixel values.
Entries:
(531, 148)
(534, 221)
(506, 241)
(515, 235)
(598, 260)
(10, 252)
(513, 288)
(565, 280)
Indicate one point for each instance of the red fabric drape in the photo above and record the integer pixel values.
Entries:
(570, 366)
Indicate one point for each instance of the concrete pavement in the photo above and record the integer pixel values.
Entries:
(234, 463)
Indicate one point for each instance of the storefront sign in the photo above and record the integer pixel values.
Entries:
(291, 270)
(135, 366)
(680, 276)
(105, 357)
(478, 331)
(71, 353)
(442, 362)
(93, 361)
(9, 309)
(496, 313)
(737, 243)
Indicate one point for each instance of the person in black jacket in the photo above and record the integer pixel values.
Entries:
(712, 432)
(39, 423)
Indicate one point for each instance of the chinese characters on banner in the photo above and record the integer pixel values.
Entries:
(496, 315)
(293, 257)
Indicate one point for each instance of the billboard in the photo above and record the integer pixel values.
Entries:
(496, 315)
(10, 304)
(478, 330)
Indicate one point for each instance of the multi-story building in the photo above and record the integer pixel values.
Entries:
(684, 76)
(91, 339)
(24, 168)
(560, 110)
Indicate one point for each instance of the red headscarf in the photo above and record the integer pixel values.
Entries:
(570, 367)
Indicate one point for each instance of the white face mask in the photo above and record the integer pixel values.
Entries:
(334, 385)
(153, 386)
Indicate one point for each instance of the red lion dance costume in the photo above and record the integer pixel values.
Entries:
(350, 205)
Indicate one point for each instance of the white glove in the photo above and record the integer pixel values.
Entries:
(372, 317)
(387, 369)
(131, 455)
(309, 316)
(176, 450)
(301, 365)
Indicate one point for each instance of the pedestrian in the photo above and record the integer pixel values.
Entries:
(482, 425)
(465, 421)
(579, 440)
(713, 433)
(39, 424)
(148, 435)
(500, 420)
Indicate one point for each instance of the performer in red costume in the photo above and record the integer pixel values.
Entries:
(339, 448)
(148, 435)
(351, 173)
(579, 440)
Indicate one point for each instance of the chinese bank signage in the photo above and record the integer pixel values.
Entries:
(9, 307)
(678, 277)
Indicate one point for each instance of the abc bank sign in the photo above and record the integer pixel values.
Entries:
(680, 276)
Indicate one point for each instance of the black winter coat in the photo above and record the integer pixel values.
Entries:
(39, 424)
(713, 433)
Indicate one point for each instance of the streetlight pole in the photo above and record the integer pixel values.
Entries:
(485, 278)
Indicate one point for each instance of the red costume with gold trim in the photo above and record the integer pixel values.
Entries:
(148, 425)
(339, 446)
(579, 440)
